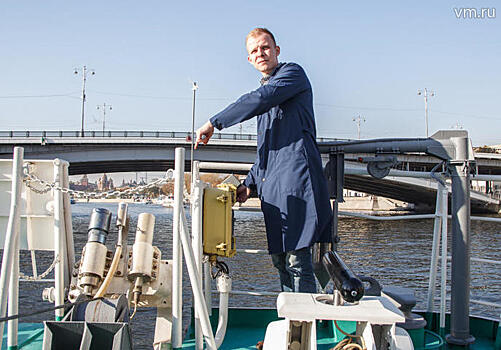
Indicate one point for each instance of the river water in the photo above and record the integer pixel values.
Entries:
(394, 252)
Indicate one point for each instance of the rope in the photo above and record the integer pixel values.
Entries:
(347, 343)
(41, 311)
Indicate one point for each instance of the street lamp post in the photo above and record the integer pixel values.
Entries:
(426, 94)
(84, 72)
(104, 107)
(358, 120)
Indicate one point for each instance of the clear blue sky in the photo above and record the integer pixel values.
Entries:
(366, 58)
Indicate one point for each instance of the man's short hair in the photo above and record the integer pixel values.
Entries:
(257, 31)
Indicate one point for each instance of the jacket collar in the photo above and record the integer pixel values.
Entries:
(264, 80)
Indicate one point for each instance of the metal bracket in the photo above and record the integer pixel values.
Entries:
(334, 172)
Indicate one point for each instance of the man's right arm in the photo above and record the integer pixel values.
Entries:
(288, 82)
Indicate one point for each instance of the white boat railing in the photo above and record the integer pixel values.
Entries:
(39, 219)
(10, 260)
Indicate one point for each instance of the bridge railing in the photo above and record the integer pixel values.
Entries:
(186, 135)
(117, 134)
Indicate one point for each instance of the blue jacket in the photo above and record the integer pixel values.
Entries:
(288, 172)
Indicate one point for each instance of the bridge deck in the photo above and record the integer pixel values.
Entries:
(154, 151)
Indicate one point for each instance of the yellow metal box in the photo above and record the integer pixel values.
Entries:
(217, 220)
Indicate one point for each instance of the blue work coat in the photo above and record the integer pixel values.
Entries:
(288, 172)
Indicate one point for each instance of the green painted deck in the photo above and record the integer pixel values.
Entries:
(30, 336)
(248, 326)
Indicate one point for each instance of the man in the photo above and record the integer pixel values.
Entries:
(287, 174)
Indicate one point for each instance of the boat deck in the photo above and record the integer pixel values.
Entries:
(30, 336)
(247, 326)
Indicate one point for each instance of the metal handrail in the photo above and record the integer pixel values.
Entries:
(481, 260)
(186, 135)
(477, 301)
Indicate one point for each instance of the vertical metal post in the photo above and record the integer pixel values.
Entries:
(194, 88)
(68, 227)
(335, 184)
(13, 303)
(426, 110)
(208, 286)
(460, 274)
(196, 285)
(59, 239)
(196, 228)
(84, 79)
(177, 258)
(435, 249)
(34, 263)
(335, 222)
(426, 94)
(443, 266)
(12, 230)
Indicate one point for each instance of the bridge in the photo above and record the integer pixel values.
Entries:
(121, 151)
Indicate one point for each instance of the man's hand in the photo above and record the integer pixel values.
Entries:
(204, 134)
(243, 192)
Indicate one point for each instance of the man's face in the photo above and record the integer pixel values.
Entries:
(263, 53)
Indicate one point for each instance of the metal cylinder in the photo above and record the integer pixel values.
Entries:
(142, 250)
(99, 225)
(93, 264)
(94, 256)
(460, 265)
(346, 282)
(177, 256)
(122, 214)
(318, 251)
(145, 226)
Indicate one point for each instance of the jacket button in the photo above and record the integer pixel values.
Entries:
(264, 179)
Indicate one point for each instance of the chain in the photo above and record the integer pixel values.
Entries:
(43, 275)
(30, 178)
